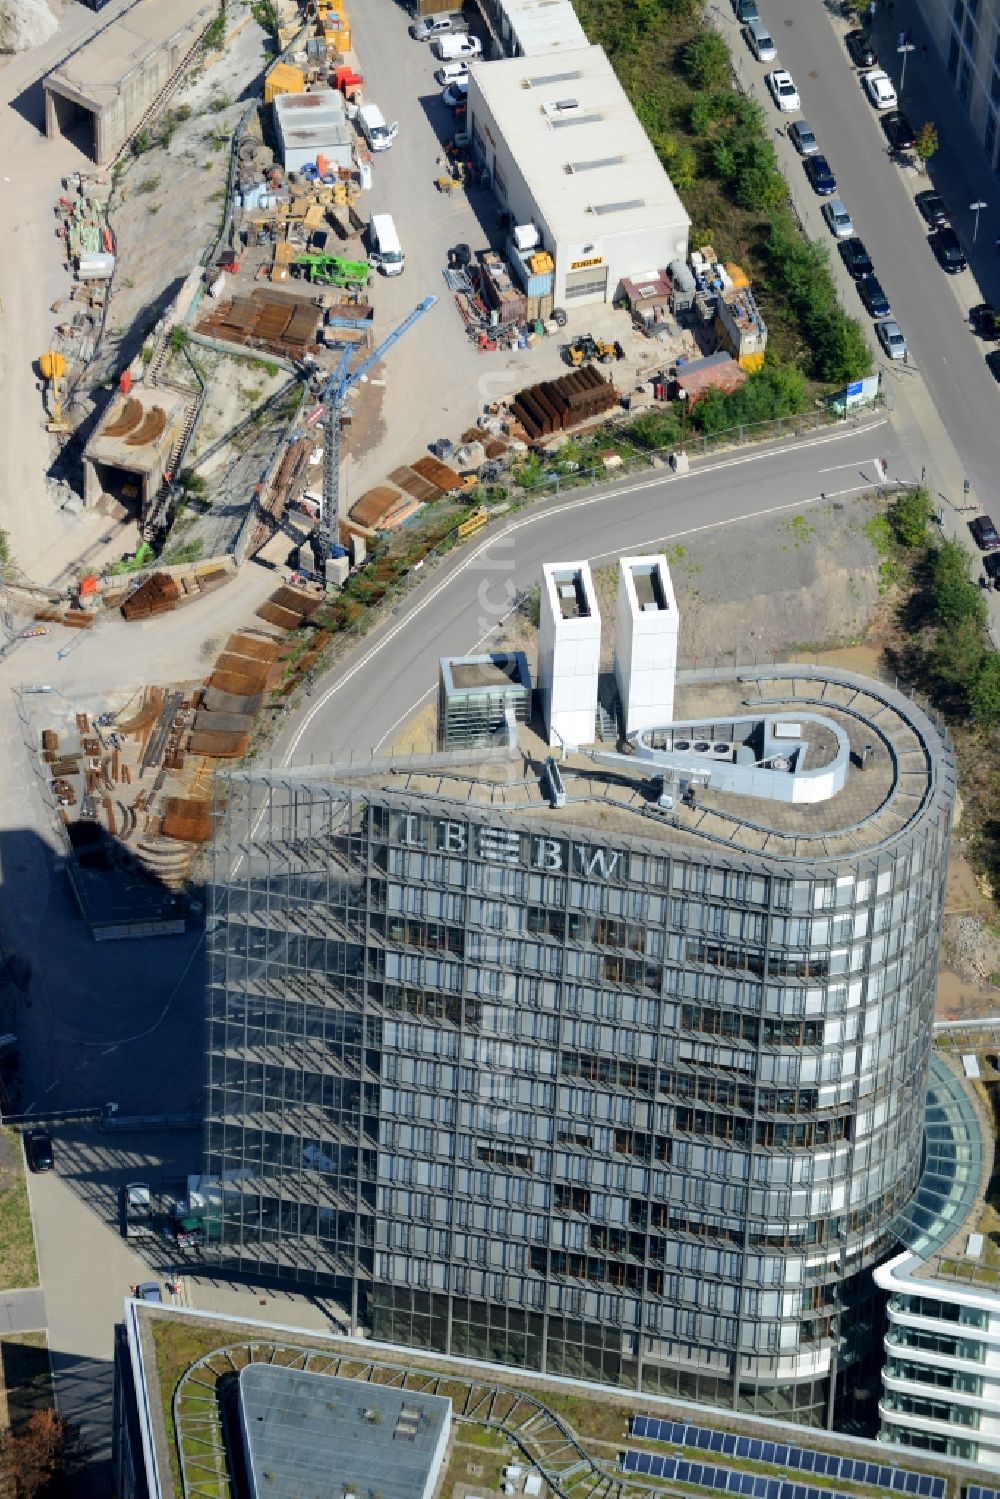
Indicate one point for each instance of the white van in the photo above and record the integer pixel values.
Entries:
(371, 122)
(452, 72)
(451, 48)
(386, 253)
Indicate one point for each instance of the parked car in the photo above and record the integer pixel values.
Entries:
(856, 258)
(838, 220)
(932, 210)
(984, 533)
(149, 1290)
(948, 248)
(38, 1150)
(746, 10)
(802, 138)
(890, 336)
(875, 300)
(456, 94)
(760, 41)
(452, 72)
(991, 567)
(984, 320)
(783, 91)
(993, 364)
(821, 178)
(428, 27)
(898, 131)
(878, 86)
(860, 50)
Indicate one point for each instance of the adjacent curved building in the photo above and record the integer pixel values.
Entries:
(613, 1067)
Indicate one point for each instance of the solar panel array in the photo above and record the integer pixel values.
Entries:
(783, 1455)
(729, 1481)
(976, 1491)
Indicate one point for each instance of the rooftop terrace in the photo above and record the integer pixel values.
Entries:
(897, 768)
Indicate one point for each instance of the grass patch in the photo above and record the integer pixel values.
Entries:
(18, 1266)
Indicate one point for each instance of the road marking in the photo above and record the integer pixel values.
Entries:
(546, 514)
(620, 551)
(837, 466)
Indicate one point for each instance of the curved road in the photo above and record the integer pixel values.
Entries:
(358, 705)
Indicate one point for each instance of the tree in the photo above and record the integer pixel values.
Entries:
(954, 597)
(748, 164)
(706, 60)
(983, 690)
(840, 349)
(926, 142)
(32, 1455)
(683, 169)
(911, 515)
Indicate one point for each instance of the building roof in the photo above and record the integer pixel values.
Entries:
(314, 120)
(305, 1432)
(98, 69)
(500, 671)
(897, 775)
(715, 372)
(545, 26)
(588, 163)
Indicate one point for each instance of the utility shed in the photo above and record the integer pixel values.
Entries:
(128, 455)
(716, 372)
(313, 125)
(100, 94)
(567, 154)
(306, 1433)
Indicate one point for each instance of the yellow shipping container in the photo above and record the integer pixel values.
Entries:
(283, 79)
(739, 276)
(338, 38)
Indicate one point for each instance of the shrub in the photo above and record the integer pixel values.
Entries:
(777, 390)
(706, 60)
(910, 517)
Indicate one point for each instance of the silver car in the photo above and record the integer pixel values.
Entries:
(838, 220)
(890, 336)
(800, 133)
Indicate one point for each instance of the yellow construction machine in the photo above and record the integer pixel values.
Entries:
(53, 368)
(588, 347)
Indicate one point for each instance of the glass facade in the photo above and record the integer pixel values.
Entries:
(634, 1109)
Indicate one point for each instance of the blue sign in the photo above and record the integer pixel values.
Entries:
(856, 388)
(902, 40)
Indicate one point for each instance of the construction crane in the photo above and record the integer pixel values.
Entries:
(331, 410)
(53, 368)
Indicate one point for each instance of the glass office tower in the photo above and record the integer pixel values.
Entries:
(625, 1083)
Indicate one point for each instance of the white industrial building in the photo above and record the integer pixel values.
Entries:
(567, 154)
(312, 125)
(569, 652)
(532, 28)
(645, 643)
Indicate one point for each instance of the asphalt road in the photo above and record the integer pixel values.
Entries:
(930, 306)
(396, 666)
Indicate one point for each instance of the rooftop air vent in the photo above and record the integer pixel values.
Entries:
(590, 166)
(551, 78)
(618, 207)
(554, 108)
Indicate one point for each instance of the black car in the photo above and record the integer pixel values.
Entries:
(898, 130)
(991, 567)
(822, 179)
(859, 49)
(931, 208)
(946, 246)
(856, 257)
(984, 533)
(875, 300)
(993, 363)
(38, 1149)
(984, 320)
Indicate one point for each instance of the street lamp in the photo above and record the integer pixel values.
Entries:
(975, 208)
(906, 48)
(682, 396)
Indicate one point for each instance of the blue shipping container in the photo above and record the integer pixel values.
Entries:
(535, 286)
